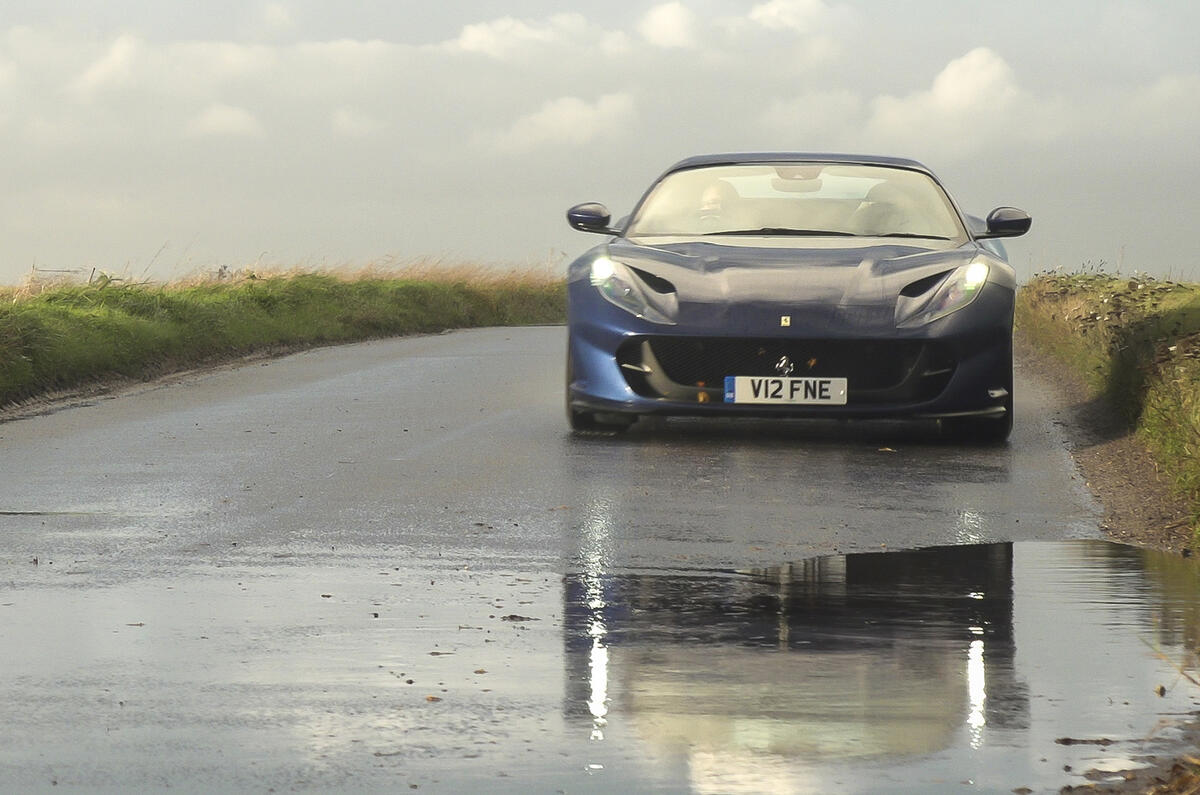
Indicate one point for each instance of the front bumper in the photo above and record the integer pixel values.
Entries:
(960, 365)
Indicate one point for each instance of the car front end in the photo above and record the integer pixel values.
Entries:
(635, 362)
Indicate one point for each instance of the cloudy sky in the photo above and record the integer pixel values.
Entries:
(159, 138)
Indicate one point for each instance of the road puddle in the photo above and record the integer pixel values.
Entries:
(991, 667)
(996, 666)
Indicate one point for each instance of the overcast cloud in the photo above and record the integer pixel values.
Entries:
(163, 138)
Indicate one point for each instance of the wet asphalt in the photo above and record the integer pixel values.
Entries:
(389, 566)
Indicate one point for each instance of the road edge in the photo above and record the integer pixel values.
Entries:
(1139, 502)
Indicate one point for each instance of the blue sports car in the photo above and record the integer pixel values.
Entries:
(793, 285)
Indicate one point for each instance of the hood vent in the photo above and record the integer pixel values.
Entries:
(656, 283)
(922, 286)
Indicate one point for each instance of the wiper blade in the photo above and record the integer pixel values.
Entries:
(783, 230)
(910, 234)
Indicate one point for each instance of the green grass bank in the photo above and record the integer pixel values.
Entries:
(1136, 342)
(67, 336)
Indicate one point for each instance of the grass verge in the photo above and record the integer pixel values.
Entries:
(1136, 341)
(68, 335)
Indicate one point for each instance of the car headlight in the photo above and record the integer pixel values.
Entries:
(620, 286)
(955, 291)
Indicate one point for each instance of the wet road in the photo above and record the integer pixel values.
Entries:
(388, 565)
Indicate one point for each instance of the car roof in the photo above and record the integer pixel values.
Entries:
(732, 158)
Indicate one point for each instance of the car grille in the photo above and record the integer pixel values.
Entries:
(876, 370)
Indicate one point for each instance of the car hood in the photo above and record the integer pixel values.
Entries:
(863, 274)
(825, 283)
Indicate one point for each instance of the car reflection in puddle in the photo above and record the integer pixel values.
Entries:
(999, 665)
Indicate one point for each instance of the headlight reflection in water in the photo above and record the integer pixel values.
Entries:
(595, 553)
(976, 692)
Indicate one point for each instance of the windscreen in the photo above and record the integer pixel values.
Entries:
(815, 199)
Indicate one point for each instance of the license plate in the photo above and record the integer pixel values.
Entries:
(790, 391)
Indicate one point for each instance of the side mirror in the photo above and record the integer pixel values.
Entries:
(591, 217)
(1007, 222)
